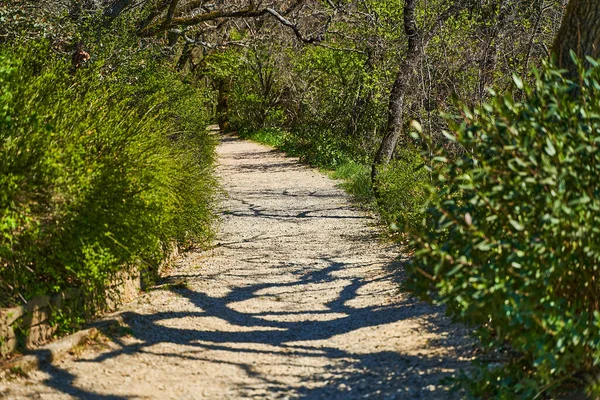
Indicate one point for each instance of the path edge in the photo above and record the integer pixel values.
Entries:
(49, 353)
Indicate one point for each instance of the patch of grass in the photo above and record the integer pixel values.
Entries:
(176, 284)
(117, 329)
(18, 372)
(271, 137)
(356, 179)
(404, 188)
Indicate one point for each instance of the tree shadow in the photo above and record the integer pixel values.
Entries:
(351, 370)
(334, 212)
(64, 381)
(349, 374)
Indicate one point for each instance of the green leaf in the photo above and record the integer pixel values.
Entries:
(518, 81)
(549, 149)
(516, 225)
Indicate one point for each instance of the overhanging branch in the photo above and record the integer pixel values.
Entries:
(173, 22)
(157, 28)
(293, 27)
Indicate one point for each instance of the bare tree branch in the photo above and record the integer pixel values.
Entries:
(208, 45)
(249, 12)
(294, 27)
(174, 21)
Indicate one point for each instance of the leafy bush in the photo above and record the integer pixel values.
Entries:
(516, 244)
(271, 137)
(100, 167)
(403, 189)
(315, 149)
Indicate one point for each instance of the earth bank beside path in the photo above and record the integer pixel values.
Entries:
(298, 299)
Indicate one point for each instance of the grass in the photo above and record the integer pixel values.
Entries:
(271, 137)
(356, 179)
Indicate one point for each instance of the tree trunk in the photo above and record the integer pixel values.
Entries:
(115, 9)
(580, 32)
(496, 12)
(397, 96)
(417, 42)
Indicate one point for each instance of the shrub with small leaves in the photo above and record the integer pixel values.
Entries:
(101, 167)
(515, 248)
(403, 189)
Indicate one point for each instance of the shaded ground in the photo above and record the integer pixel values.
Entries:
(297, 300)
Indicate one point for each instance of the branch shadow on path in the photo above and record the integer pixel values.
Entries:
(382, 374)
(350, 372)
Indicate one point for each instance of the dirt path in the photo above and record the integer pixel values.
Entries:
(299, 299)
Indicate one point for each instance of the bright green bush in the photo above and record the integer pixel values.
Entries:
(317, 149)
(100, 167)
(516, 245)
(273, 137)
(403, 190)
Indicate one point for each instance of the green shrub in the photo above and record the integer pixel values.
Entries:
(100, 168)
(273, 137)
(516, 245)
(403, 190)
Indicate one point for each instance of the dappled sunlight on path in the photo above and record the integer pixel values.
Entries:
(297, 299)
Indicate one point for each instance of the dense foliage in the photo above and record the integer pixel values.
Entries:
(328, 104)
(102, 165)
(515, 249)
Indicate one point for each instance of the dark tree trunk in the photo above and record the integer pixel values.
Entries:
(580, 32)
(396, 104)
(185, 56)
(114, 9)
(417, 42)
(496, 12)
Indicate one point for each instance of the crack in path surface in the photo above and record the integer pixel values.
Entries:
(298, 299)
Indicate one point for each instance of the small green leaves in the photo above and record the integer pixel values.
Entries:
(516, 225)
(452, 137)
(517, 246)
(549, 149)
(416, 125)
(518, 81)
(468, 219)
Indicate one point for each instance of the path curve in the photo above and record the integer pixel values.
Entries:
(298, 299)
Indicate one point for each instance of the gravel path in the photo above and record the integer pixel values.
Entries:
(298, 299)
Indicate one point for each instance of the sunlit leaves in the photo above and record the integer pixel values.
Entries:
(516, 245)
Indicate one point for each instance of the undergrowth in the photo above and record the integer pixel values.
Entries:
(102, 165)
